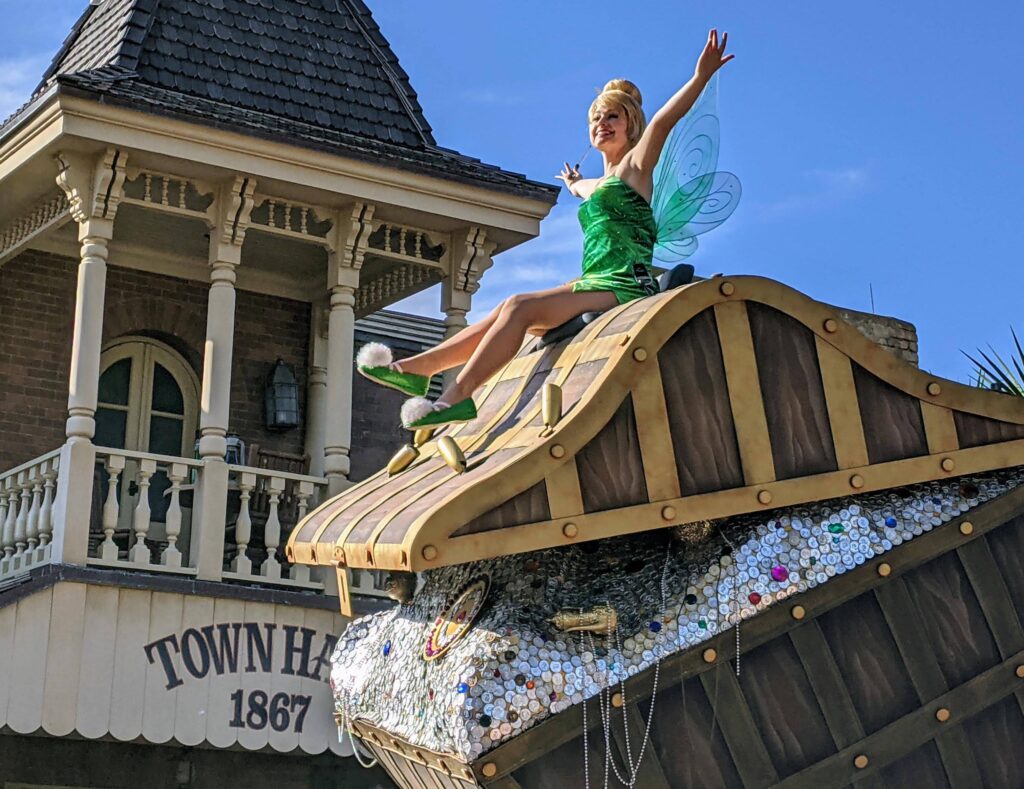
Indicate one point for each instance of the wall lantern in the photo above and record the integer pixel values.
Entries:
(282, 398)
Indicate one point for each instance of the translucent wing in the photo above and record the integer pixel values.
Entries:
(689, 197)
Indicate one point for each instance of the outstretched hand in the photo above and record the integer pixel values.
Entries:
(569, 175)
(713, 57)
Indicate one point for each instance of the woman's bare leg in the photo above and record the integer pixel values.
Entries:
(452, 352)
(529, 312)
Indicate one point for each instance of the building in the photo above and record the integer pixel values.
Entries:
(204, 208)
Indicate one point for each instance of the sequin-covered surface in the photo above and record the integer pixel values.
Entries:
(513, 669)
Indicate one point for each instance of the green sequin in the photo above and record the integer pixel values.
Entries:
(618, 231)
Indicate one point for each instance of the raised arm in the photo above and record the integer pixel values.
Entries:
(644, 156)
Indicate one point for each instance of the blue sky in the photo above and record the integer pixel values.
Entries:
(880, 144)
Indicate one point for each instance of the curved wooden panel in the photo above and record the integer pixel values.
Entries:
(796, 406)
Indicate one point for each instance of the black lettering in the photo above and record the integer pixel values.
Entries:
(257, 646)
(164, 653)
(226, 648)
(324, 658)
(188, 656)
(290, 650)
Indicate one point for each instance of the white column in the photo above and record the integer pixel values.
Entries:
(94, 189)
(469, 258)
(206, 550)
(349, 241)
(316, 390)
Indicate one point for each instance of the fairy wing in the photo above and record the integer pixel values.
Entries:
(690, 197)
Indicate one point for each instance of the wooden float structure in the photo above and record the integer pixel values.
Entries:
(731, 396)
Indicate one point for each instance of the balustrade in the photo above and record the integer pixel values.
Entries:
(26, 513)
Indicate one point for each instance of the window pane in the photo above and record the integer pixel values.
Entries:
(110, 428)
(165, 435)
(114, 383)
(166, 393)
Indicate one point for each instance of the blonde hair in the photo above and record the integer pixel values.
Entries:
(622, 93)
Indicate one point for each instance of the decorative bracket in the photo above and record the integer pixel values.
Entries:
(228, 217)
(470, 258)
(347, 244)
(94, 187)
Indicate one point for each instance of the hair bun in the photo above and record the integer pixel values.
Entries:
(626, 87)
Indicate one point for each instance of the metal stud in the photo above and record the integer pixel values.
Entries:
(668, 513)
(934, 389)
(557, 451)
(798, 612)
(489, 770)
(857, 481)
(860, 761)
(831, 325)
(966, 528)
(764, 496)
(429, 552)
(942, 714)
(616, 699)
(710, 656)
(727, 288)
(570, 530)
(884, 569)
(1020, 671)
(640, 354)
(947, 464)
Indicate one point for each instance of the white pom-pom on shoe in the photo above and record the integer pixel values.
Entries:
(415, 409)
(374, 354)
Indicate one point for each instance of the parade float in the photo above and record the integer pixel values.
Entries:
(714, 537)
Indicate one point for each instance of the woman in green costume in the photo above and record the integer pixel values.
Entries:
(620, 233)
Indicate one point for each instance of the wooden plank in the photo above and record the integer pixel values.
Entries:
(611, 470)
(8, 617)
(913, 730)
(827, 683)
(563, 485)
(912, 642)
(127, 700)
(893, 427)
(841, 401)
(28, 666)
(654, 433)
(745, 392)
(649, 773)
(96, 673)
(253, 676)
(318, 730)
(220, 708)
(160, 703)
(738, 728)
(939, 428)
(194, 695)
(63, 658)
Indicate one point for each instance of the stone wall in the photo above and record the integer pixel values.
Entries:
(893, 334)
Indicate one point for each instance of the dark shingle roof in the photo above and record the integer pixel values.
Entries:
(313, 72)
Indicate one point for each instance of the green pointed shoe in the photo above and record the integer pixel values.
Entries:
(420, 412)
(374, 362)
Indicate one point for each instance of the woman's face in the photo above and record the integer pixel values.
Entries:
(608, 128)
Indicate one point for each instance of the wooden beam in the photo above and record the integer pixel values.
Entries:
(654, 433)
(939, 428)
(738, 728)
(843, 408)
(904, 621)
(745, 397)
(650, 774)
(565, 498)
(913, 730)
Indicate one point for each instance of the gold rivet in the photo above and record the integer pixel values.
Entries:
(764, 496)
(798, 612)
(831, 325)
(942, 715)
(727, 288)
(884, 569)
(429, 552)
(489, 770)
(668, 513)
(557, 451)
(570, 530)
(640, 354)
(710, 656)
(856, 481)
(966, 528)
(616, 699)
(860, 762)
(1020, 671)
(934, 389)
(947, 464)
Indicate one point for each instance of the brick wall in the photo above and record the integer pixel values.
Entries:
(37, 302)
(896, 336)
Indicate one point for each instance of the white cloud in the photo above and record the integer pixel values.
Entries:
(826, 188)
(18, 78)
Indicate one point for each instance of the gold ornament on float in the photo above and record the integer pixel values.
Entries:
(457, 620)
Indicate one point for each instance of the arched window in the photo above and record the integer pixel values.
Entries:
(148, 402)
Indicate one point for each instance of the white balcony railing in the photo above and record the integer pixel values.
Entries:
(141, 518)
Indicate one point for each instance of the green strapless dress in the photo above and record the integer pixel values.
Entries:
(618, 241)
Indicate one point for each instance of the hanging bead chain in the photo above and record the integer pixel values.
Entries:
(346, 724)
(735, 600)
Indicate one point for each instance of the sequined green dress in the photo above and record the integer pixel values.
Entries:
(618, 241)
